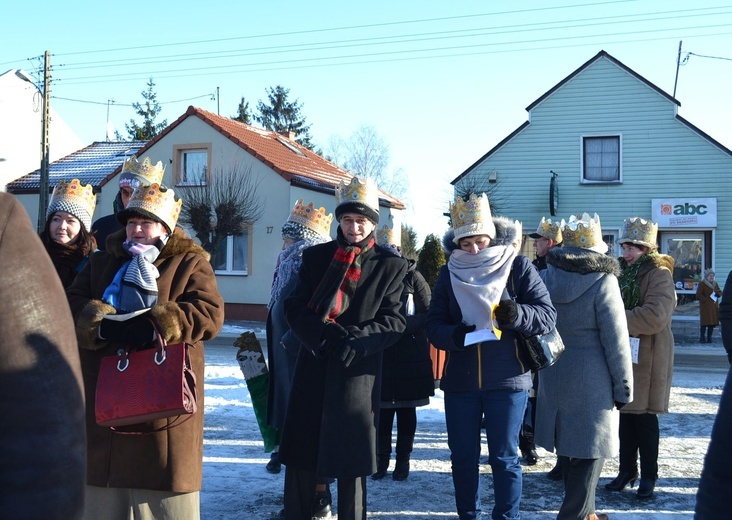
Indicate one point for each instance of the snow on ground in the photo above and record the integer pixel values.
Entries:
(236, 485)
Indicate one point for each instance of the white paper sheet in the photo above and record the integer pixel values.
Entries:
(478, 336)
(634, 347)
(123, 317)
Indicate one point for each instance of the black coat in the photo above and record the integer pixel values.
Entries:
(407, 368)
(330, 425)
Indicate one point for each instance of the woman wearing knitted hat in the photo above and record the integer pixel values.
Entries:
(305, 226)
(67, 236)
(708, 294)
(485, 285)
(575, 414)
(649, 295)
(149, 265)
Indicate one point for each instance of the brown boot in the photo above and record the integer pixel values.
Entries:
(595, 516)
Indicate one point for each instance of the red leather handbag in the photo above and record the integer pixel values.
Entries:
(141, 386)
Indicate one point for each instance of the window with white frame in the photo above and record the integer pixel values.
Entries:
(610, 237)
(601, 159)
(193, 168)
(232, 256)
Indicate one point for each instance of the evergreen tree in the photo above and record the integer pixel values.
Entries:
(148, 110)
(409, 242)
(431, 259)
(244, 115)
(282, 115)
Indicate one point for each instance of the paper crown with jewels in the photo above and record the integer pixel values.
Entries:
(154, 201)
(387, 235)
(639, 231)
(143, 173)
(548, 229)
(583, 231)
(471, 217)
(74, 198)
(358, 196)
(313, 219)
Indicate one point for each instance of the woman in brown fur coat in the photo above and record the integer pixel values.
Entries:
(150, 264)
(708, 294)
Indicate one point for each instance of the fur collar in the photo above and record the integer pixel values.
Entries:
(506, 234)
(654, 262)
(582, 261)
(178, 244)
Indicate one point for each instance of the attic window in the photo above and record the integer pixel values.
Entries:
(290, 146)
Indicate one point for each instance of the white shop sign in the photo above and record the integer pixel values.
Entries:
(684, 213)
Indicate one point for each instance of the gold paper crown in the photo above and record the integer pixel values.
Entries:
(363, 192)
(472, 217)
(156, 201)
(387, 235)
(583, 231)
(143, 172)
(639, 231)
(314, 219)
(74, 198)
(549, 229)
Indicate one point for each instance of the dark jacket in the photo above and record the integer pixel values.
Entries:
(42, 403)
(330, 424)
(492, 364)
(407, 367)
(189, 309)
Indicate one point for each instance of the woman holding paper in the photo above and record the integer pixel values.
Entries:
(649, 295)
(149, 264)
(483, 377)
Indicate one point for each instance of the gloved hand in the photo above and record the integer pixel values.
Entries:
(507, 311)
(348, 353)
(619, 405)
(458, 335)
(332, 338)
(135, 332)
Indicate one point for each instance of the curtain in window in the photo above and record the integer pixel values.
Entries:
(602, 159)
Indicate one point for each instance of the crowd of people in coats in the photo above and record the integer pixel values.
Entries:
(349, 330)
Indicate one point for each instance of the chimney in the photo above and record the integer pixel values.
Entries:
(290, 134)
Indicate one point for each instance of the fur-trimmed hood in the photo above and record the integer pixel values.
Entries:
(582, 261)
(506, 234)
(179, 243)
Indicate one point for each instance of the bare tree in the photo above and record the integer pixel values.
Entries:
(226, 205)
(366, 154)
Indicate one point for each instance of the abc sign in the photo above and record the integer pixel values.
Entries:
(684, 209)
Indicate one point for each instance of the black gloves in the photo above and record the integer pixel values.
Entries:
(347, 353)
(619, 405)
(458, 335)
(507, 311)
(135, 332)
(334, 333)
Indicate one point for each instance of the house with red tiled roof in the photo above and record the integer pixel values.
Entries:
(193, 148)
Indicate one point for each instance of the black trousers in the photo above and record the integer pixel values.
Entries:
(639, 435)
(406, 419)
(300, 493)
(580, 481)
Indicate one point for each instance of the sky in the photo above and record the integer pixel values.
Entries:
(236, 485)
(441, 82)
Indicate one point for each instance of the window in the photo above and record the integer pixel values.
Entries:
(194, 168)
(609, 237)
(601, 159)
(232, 257)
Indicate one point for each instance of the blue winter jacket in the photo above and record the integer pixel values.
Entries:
(493, 364)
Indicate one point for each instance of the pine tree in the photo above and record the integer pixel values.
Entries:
(409, 242)
(431, 259)
(282, 115)
(148, 110)
(244, 115)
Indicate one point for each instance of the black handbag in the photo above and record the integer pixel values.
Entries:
(540, 350)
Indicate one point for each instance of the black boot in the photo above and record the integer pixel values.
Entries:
(702, 339)
(322, 503)
(274, 466)
(710, 330)
(622, 480)
(646, 487)
(382, 465)
(401, 470)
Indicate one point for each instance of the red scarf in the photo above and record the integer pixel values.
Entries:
(335, 291)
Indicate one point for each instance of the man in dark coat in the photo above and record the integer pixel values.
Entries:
(344, 312)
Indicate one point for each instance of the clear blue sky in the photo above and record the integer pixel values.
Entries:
(442, 82)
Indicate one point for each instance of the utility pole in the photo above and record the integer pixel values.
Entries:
(678, 62)
(218, 103)
(43, 183)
